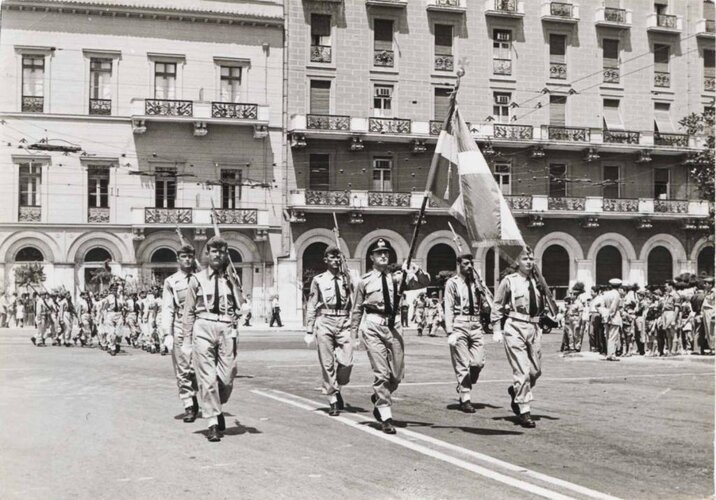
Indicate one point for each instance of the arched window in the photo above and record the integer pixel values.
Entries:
(29, 254)
(490, 279)
(97, 254)
(705, 261)
(660, 266)
(441, 257)
(313, 264)
(369, 263)
(609, 264)
(235, 256)
(555, 268)
(164, 256)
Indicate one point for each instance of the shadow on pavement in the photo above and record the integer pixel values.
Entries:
(515, 420)
(236, 430)
(479, 431)
(478, 406)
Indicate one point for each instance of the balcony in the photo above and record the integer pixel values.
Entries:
(664, 23)
(168, 107)
(102, 107)
(608, 17)
(455, 6)
(29, 214)
(673, 140)
(321, 53)
(328, 122)
(502, 67)
(671, 206)
(389, 125)
(519, 202)
(167, 215)
(568, 134)
(33, 104)
(622, 205)
(560, 12)
(709, 83)
(511, 132)
(566, 204)
(401, 4)
(620, 137)
(444, 62)
(234, 110)
(387, 199)
(97, 215)
(505, 8)
(705, 28)
(383, 58)
(662, 79)
(240, 216)
(557, 71)
(610, 75)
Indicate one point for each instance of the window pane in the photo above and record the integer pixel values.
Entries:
(320, 97)
(442, 102)
(661, 58)
(557, 46)
(318, 177)
(443, 39)
(557, 110)
(611, 181)
(557, 184)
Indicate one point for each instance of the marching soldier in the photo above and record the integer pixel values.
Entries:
(114, 306)
(42, 318)
(85, 319)
(376, 302)
(328, 322)
(708, 308)
(131, 318)
(463, 304)
(419, 313)
(173, 301)
(211, 313)
(519, 303)
(612, 302)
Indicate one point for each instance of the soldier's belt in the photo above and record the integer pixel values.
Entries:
(221, 318)
(466, 317)
(523, 317)
(334, 312)
(380, 319)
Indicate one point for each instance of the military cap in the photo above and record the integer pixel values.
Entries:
(578, 287)
(615, 282)
(381, 246)
(710, 280)
(331, 250)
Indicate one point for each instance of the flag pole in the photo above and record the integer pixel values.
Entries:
(431, 178)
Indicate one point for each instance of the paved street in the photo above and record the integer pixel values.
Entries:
(76, 423)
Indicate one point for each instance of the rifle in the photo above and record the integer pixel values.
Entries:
(544, 289)
(231, 272)
(183, 242)
(481, 286)
(344, 265)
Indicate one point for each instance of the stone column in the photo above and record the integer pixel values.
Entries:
(637, 273)
(584, 272)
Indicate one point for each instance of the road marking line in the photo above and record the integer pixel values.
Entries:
(482, 471)
(551, 379)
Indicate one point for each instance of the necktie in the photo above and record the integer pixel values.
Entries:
(116, 308)
(386, 296)
(533, 300)
(215, 308)
(339, 304)
(471, 300)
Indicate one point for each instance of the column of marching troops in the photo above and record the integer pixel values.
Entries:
(196, 315)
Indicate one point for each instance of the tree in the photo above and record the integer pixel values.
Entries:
(701, 166)
(27, 275)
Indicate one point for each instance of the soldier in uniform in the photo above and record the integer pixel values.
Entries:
(463, 304)
(376, 302)
(173, 299)
(42, 318)
(114, 306)
(419, 312)
(85, 319)
(520, 304)
(708, 308)
(328, 322)
(612, 318)
(131, 319)
(211, 313)
(671, 304)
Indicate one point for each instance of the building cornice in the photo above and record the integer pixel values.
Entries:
(132, 10)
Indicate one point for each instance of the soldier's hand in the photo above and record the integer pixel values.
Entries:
(497, 336)
(169, 342)
(309, 338)
(452, 339)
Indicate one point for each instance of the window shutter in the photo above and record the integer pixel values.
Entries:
(443, 39)
(662, 118)
(661, 58)
(557, 110)
(442, 103)
(610, 53)
(612, 118)
(320, 25)
(383, 34)
(320, 97)
(557, 48)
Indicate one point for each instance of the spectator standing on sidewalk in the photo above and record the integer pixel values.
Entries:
(275, 312)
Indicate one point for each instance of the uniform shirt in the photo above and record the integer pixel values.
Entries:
(83, 307)
(112, 303)
(369, 294)
(670, 301)
(513, 294)
(457, 300)
(200, 297)
(612, 305)
(323, 296)
(174, 294)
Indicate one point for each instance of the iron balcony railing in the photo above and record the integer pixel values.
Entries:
(321, 53)
(33, 104)
(621, 136)
(519, 202)
(97, 215)
(168, 107)
(675, 140)
(234, 110)
(709, 83)
(330, 198)
(384, 58)
(710, 26)
(328, 122)
(388, 199)
(154, 215)
(507, 131)
(671, 206)
(389, 125)
(100, 106)
(666, 21)
(30, 214)
(567, 204)
(236, 215)
(444, 62)
(560, 9)
(570, 134)
(506, 5)
(620, 205)
(613, 15)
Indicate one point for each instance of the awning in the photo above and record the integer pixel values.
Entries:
(662, 121)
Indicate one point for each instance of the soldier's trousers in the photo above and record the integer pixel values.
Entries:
(133, 325)
(113, 321)
(613, 332)
(523, 346)
(384, 345)
(468, 354)
(335, 351)
(214, 364)
(181, 359)
(595, 332)
(672, 340)
(708, 326)
(42, 323)
(86, 326)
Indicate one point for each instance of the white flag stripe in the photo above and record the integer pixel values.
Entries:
(447, 147)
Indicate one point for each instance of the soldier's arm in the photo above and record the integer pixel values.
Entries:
(416, 278)
(357, 313)
(167, 308)
(502, 299)
(449, 299)
(190, 309)
(311, 306)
